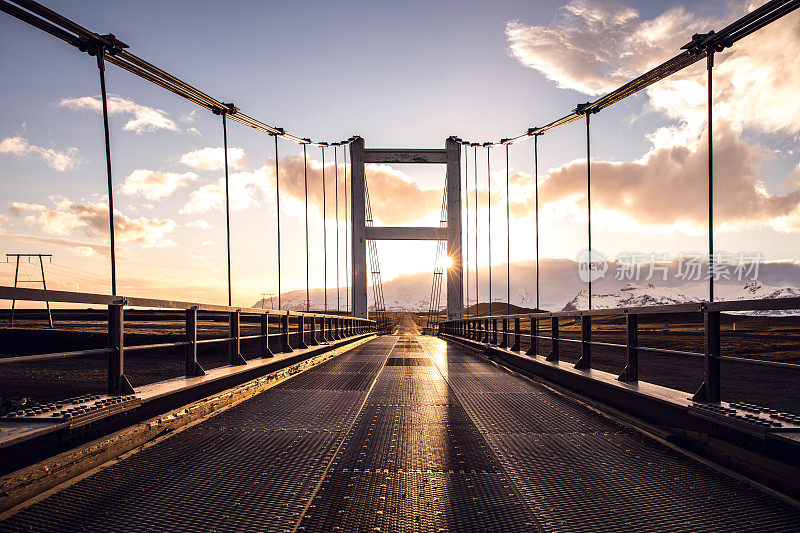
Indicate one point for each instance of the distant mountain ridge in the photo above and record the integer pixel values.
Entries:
(637, 295)
(561, 288)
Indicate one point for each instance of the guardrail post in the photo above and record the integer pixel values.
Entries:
(265, 351)
(533, 349)
(553, 357)
(234, 344)
(710, 390)
(585, 362)
(631, 372)
(286, 346)
(301, 332)
(504, 338)
(193, 368)
(337, 328)
(486, 334)
(515, 346)
(326, 329)
(117, 382)
(313, 341)
(494, 331)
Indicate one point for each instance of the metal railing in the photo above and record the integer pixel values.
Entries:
(497, 331)
(306, 329)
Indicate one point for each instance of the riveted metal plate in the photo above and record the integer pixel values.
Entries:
(408, 361)
(416, 501)
(202, 479)
(579, 482)
(354, 445)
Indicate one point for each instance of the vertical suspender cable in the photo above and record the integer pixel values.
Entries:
(278, 216)
(489, 222)
(709, 68)
(324, 234)
(305, 189)
(477, 273)
(466, 223)
(536, 195)
(508, 242)
(102, 67)
(589, 203)
(346, 237)
(336, 190)
(227, 199)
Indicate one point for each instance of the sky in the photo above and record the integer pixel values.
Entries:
(404, 74)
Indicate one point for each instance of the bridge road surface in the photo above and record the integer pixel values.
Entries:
(407, 433)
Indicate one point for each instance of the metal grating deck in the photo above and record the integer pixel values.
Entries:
(457, 445)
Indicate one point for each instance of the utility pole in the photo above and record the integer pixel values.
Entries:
(17, 281)
(264, 297)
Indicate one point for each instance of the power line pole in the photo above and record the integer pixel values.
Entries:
(17, 281)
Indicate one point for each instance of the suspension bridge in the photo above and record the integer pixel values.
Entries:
(352, 418)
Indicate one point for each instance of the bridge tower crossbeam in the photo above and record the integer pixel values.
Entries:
(361, 233)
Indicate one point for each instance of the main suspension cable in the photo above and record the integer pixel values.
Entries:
(114, 51)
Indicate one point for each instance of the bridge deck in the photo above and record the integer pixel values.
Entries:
(406, 433)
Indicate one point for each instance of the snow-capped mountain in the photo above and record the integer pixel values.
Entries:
(638, 295)
(560, 288)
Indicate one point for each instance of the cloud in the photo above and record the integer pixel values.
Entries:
(666, 187)
(247, 189)
(91, 219)
(596, 47)
(199, 223)
(395, 198)
(213, 158)
(60, 161)
(82, 248)
(144, 118)
(155, 185)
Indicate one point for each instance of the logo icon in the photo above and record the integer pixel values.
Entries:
(591, 265)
